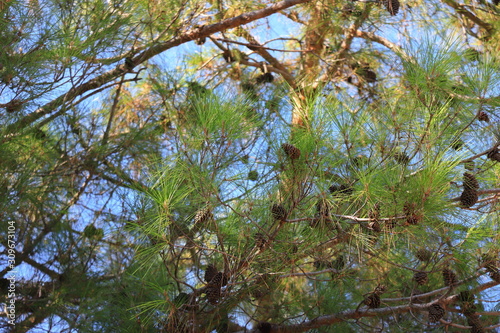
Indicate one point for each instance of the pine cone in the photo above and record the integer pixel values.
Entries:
(375, 226)
(321, 264)
(369, 76)
(213, 294)
(470, 182)
(401, 158)
(213, 290)
(341, 189)
(265, 327)
(468, 198)
(225, 278)
(374, 213)
(483, 116)
(210, 273)
(494, 155)
(423, 255)
(203, 215)
(253, 175)
(322, 208)
(436, 312)
(392, 6)
(322, 214)
(477, 329)
(449, 277)
(474, 321)
(495, 276)
(457, 144)
(13, 106)
(421, 278)
(372, 301)
(217, 279)
(200, 41)
(465, 296)
(260, 240)
(380, 289)
(228, 56)
(278, 212)
(291, 151)
(412, 217)
(264, 78)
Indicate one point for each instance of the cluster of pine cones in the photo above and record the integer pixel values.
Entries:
(215, 281)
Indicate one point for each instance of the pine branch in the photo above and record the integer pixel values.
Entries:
(471, 16)
(257, 47)
(156, 49)
(340, 317)
(30, 246)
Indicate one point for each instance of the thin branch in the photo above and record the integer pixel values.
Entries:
(256, 46)
(112, 112)
(461, 10)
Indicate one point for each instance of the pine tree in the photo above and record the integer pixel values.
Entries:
(174, 167)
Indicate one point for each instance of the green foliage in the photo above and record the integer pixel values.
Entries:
(311, 162)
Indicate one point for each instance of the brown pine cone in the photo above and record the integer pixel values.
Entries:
(483, 116)
(423, 255)
(210, 272)
(278, 212)
(291, 151)
(477, 329)
(470, 181)
(203, 215)
(392, 6)
(264, 78)
(260, 240)
(421, 278)
(213, 290)
(449, 277)
(412, 218)
(341, 189)
(474, 321)
(436, 312)
(372, 301)
(494, 155)
(375, 226)
(468, 198)
(495, 276)
(213, 294)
